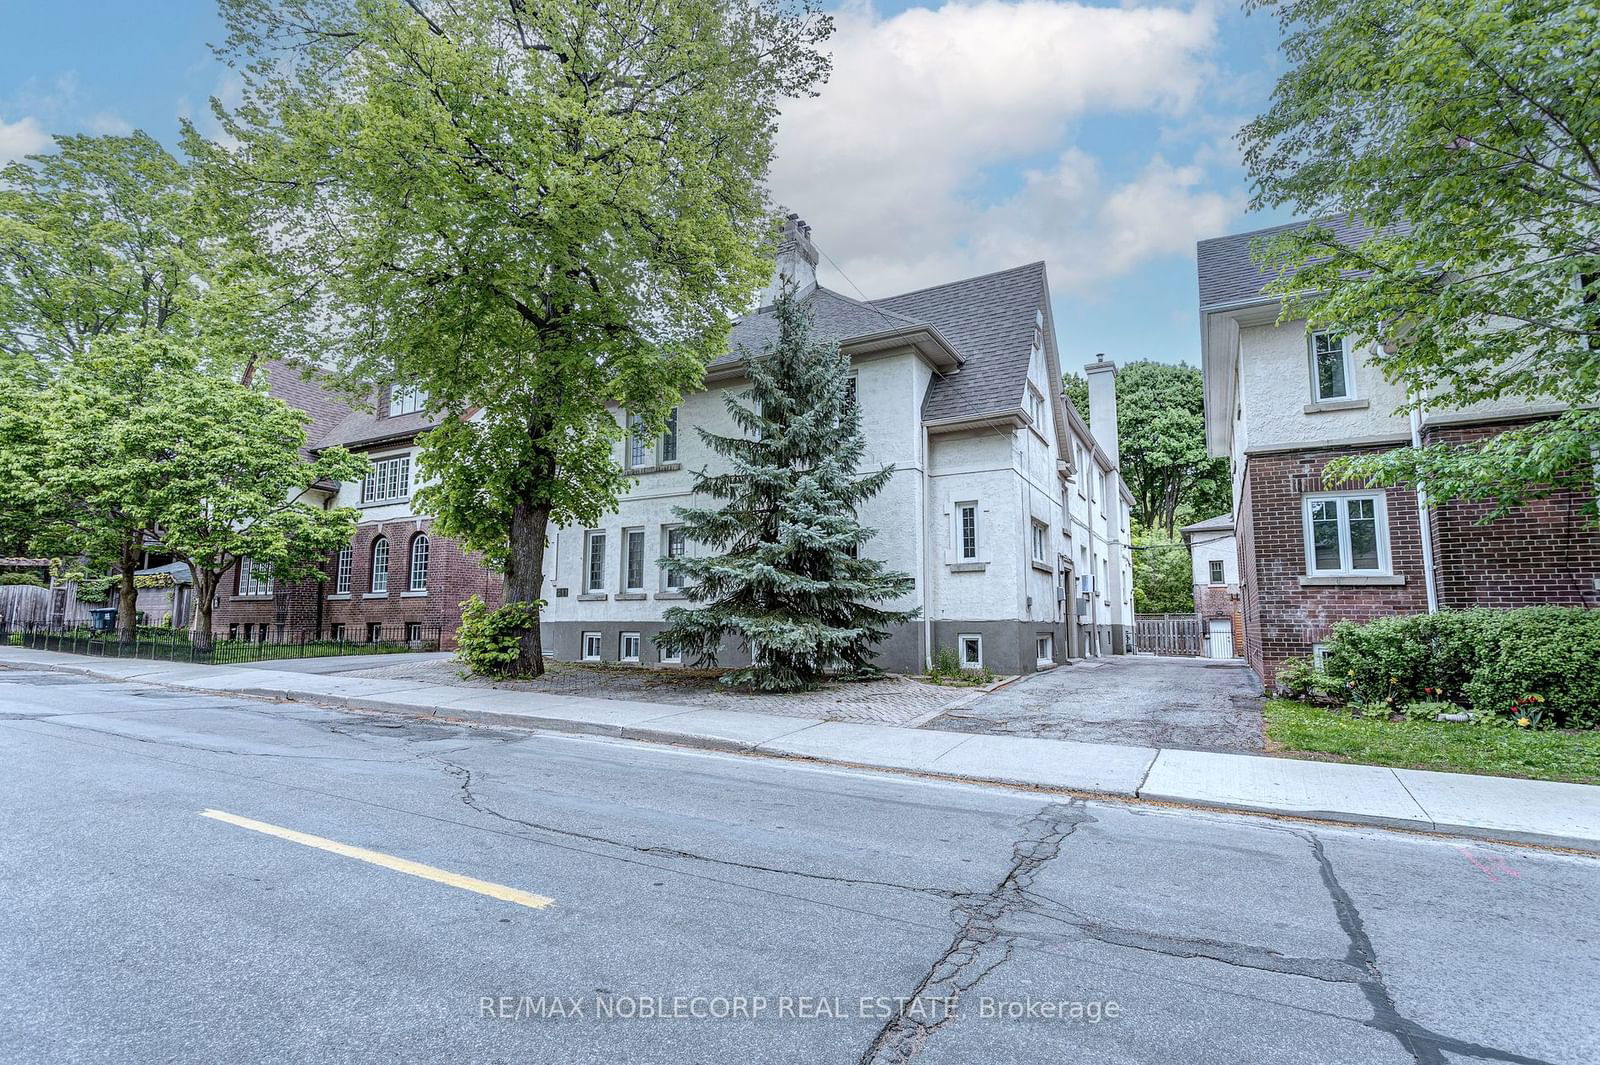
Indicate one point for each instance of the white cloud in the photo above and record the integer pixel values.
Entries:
(22, 137)
(889, 162)
(105, 122)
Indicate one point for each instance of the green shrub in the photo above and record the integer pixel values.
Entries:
(1492, 661)
(1427, 709)
(946, 663)
(488, 641)
(30, 580)
(1299, 678)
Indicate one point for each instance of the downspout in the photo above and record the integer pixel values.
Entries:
(1424, 520)
(927, 552)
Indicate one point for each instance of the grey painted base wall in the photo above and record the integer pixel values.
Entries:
(1008, 646)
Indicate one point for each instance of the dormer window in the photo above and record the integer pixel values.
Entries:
(406, 399)
(1330, 368)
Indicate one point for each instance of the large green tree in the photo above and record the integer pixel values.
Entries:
(112, 276)
(785, 574)
(1161, 434)
(534, 213)
(1466, 135)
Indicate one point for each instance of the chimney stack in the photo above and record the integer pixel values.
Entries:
(1102, 376)
(796, 262)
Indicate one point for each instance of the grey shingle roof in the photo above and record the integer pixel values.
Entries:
(834, 317)
(1220, 523)
(990, 319)
(1228, 274)
(368, 426)
(327, 408)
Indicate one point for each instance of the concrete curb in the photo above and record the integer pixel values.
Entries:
(1450, 804)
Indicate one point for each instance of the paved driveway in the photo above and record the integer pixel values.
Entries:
(1152, 702)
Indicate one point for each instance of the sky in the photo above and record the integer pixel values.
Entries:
(953, 139)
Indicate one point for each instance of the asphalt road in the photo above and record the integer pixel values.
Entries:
(135, 926)
(1139, 700)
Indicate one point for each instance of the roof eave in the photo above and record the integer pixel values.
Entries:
(1008, 419)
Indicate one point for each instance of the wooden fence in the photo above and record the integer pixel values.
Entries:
(1168, 634)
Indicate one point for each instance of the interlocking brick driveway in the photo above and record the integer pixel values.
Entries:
(1195, 704)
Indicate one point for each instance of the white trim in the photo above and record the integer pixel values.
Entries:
(959, 531)
(1048, 658)
(583, 646)
(622, 646)
(590, 585)
(628, 534)
(961, 649)
(1349, 392)
(1342, 502)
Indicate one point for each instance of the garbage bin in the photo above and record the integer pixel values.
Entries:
(103, 619)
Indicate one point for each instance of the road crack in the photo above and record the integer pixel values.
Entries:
(980, 944)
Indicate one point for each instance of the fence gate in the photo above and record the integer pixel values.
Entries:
(1168, 634)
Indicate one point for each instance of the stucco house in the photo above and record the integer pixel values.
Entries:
(1281, 402)
(1009, 513)
(1214, 571)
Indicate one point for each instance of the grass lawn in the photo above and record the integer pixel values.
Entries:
(1295, 728)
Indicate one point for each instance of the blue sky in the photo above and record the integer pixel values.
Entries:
(954, 139)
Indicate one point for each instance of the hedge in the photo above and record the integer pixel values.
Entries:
(1483, 659)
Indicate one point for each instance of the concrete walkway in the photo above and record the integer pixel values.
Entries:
(1528, 811)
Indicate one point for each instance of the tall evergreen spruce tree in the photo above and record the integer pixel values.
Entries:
(782, 573)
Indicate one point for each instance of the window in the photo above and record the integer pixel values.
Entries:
(406, 399)
(1346, 534)
(1319, 654)
(967, 531)
(374, 632)
(636, 442)
(419, 562)
(254, 579)
(971, 650)
(380, 566)
(633, 560)
(1036, 408)
(1330, 368)
(591, 647)
(389, 480)
(597, 561)
(1216, 571)
(670, 658)
(1105, 577)
(669, 439)
(413, 632)
(1041, 542)
(628, 647)
(852, 392)
(337, 632)
(341, 571)
(1045, 649)
(233, 631)
(677, 545)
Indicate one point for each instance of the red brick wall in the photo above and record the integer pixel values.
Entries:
(453, 575)
(1545, 553)
(1282, 618)
(1215, 600)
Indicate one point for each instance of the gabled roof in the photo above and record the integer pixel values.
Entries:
(371, 427)
(991, 321)
(1220, 523)
(312, 394)
(835, 318)
(1229, 277)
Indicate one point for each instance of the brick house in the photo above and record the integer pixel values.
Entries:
(1007, 510)
(1214, 571)
(1282, 402)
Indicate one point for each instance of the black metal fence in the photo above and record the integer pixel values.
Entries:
(244, 643)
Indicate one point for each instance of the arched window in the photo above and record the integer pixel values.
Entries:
(380, 564)
(419, 562)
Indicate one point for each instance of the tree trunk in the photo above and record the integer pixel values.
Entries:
(205, 591)
(525, 574)
(127, 593)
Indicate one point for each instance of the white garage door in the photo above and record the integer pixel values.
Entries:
(1220, 643)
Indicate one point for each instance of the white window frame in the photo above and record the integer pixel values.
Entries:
(255, 582)
(1036, 409)
(852, 390)
(1216, 572)
(630, 536)
(669, 658)
(1319, 655)
(1380, 512)
(961, 510)
(961, 650)
(623, 640)
(406, 399)
(419, 566)
(670, 581)
(388, 482)
(1046, 643)
(636, 451)
(1039, 541)
(378, 579)
(667, 446)
(341, 570)
(588, 640)
(1316, 376)
(413, 627)
(591, 584)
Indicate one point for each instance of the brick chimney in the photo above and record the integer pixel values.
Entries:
(1102, 376)
(796, 261)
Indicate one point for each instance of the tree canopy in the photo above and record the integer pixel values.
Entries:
(536, 214)
(1467, 137)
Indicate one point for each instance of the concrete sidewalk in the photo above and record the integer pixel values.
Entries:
(1498, 808)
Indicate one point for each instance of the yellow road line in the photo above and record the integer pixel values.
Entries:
(399, 865)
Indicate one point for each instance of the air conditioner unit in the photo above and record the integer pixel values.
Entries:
(1083, 607)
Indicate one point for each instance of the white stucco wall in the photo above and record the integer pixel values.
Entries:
(1208, 546)
(1276, 388)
